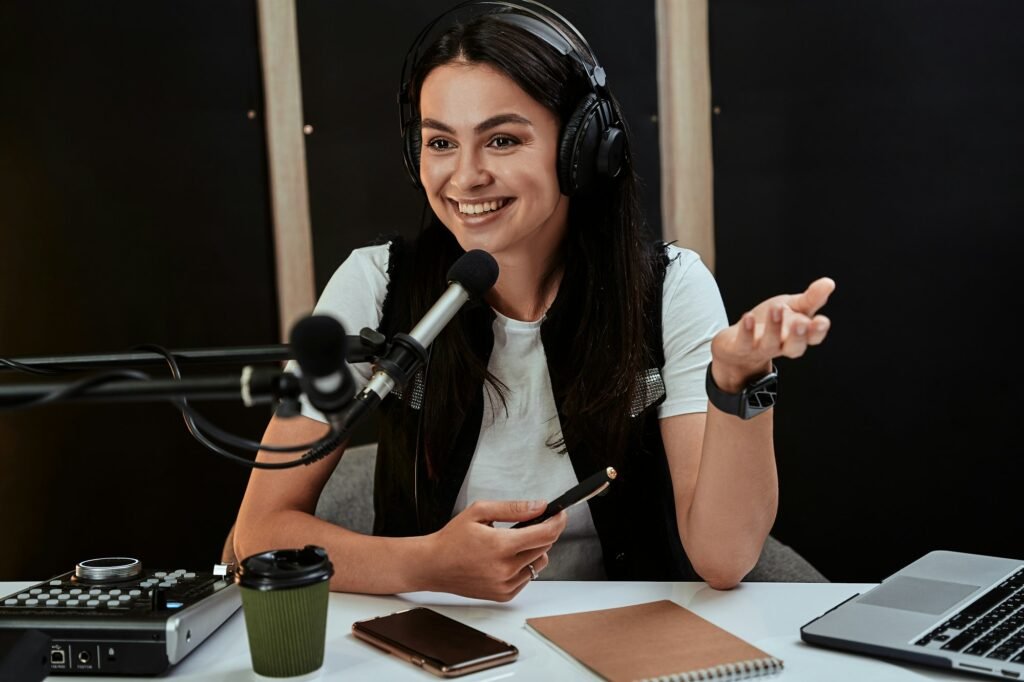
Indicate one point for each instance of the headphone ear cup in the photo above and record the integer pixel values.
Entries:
(411, 143)
(611, 152)
(573, 172)
(589, 147)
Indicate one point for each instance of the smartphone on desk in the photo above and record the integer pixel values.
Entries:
(435, 642)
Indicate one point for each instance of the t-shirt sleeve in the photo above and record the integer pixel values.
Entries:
(354, 296)
(692, 313)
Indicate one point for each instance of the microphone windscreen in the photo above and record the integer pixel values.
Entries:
(476, 271)
(318, 342)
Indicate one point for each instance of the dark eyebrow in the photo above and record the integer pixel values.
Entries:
(492, 122)
(436, 125)
(500, 120)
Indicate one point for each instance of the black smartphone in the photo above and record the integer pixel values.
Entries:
(595, 484)
(435, 642)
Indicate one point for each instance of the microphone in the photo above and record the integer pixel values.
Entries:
(471, 276)
(320, 347)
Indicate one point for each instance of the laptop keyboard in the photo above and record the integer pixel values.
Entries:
(991, 626)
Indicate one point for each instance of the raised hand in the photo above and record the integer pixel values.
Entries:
(783, 325)
(472, 558)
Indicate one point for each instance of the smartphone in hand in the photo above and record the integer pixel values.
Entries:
(591, 486)
(435, 642)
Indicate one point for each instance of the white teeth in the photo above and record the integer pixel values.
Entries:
(484, 207)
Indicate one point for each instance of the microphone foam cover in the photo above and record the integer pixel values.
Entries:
(318, 342)
(476, 271)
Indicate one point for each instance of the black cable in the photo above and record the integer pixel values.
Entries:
(14, 364)
(191, 417)
(238, 459)
(73, 389)
(222, 435)
(325, 448)
(239, 442)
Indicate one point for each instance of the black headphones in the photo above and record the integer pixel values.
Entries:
(593, 143)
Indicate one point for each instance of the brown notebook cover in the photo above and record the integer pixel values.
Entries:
(654, 641)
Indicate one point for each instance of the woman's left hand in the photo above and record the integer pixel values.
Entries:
(783, 325)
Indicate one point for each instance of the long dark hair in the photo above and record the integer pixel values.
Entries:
(608, 264)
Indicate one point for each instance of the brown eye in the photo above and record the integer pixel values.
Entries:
(440, 144)
(503, 142)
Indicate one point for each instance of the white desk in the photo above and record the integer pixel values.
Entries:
(768, 615)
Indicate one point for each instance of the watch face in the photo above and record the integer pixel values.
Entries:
(761, 396)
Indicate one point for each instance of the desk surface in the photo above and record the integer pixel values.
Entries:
(768, 615)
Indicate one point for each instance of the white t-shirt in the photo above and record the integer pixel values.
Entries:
(512, 459)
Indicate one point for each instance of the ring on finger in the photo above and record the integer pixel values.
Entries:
(533, 572)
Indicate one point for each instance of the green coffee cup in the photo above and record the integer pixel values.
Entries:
(284, 598)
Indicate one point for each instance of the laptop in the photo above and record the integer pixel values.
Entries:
(947, 609)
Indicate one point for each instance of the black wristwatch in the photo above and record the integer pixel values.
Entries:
(756, 397)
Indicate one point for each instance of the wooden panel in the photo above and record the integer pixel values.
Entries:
(684, 94)
(286, 156)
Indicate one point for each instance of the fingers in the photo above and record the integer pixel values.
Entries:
(789, 326)
(519, 575)
(772, 337)
(792, 325)
(540, 535)
(819, 329)
(492, 563)
(488, 511)
(538, 558)
(746, 333)
(814, 297)
(539, 563)
(800, 332)
(795, 337)
(528, 556)
(523, 577)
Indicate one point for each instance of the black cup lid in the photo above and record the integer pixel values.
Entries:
(285, 568)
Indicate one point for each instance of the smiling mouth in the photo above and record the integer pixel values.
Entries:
(481, 209)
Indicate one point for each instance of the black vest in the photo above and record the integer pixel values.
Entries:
(635, 520)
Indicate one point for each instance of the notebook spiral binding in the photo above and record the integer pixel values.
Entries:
(744, 670)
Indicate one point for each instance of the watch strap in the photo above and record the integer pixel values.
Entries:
(756, 397)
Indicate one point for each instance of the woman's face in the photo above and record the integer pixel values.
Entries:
(488, 163)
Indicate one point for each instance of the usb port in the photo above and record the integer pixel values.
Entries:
(1010, 673)
(57, 657)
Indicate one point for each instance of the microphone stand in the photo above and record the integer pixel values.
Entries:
(362, 348)
(252, 386)
(138, 358)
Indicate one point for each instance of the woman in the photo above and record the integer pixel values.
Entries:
(591, 350)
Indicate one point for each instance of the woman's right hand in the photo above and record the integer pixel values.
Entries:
(473, 559)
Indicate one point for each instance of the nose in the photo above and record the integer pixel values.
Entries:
(470, 172)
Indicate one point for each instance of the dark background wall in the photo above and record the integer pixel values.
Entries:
(882, 143)
(133, 209)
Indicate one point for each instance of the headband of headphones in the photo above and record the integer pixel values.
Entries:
(533, 17)
(593, 142)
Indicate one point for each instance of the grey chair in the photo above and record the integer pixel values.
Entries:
(347, 500)
(347, 497)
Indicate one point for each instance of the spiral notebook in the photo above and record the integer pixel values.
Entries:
(658, 641)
